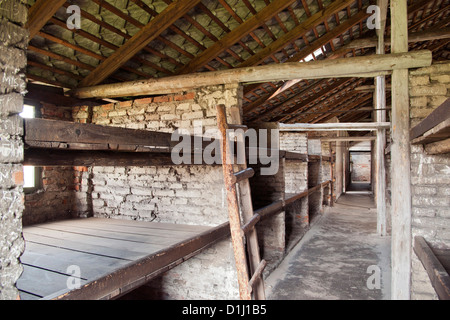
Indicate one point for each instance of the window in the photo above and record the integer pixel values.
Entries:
(30, 173)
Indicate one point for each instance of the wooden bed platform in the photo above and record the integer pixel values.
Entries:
(112, 256)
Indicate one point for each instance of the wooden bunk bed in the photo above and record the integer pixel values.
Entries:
(114, 256)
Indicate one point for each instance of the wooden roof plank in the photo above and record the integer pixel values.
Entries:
(139, 41)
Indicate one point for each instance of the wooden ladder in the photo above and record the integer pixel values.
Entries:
(242, 234)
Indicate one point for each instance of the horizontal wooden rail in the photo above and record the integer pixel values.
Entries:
(363, 66)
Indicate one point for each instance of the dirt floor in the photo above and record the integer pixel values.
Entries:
(340, 258)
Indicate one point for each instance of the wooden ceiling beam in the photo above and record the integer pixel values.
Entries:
(235, 35)
(139, 41)
(40, 13)
(318, 96)
(364, 66)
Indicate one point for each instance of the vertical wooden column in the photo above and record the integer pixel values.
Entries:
(400, 160)
(380, 116)
(331, 176)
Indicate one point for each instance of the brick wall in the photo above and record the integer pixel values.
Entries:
(13, 44)
(429, 87)
(185, 194)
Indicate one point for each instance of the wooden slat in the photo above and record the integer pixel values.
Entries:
(300, 30)
(59, 259)
(400, 160)
(42, 282)
(140, 40)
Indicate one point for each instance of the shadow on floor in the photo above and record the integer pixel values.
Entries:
(339, 258)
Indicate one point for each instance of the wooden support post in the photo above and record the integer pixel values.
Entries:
(400, 161)
(380, 116)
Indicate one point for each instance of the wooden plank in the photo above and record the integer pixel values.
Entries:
(104, 236)
(361, 66)
(246, 206)
(143, 270)
(144, 36)
(439, 276)
(124, 230)
(400, 160)
(233, 207)
(235, 35)
(438, 115)
(65, 157)
(40, 13)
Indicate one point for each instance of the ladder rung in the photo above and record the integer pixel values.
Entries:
(242, 175)
(251, 223)
(257, 275)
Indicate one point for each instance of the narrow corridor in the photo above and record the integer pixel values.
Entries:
(340, 258)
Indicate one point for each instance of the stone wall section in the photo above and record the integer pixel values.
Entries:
(430, 174)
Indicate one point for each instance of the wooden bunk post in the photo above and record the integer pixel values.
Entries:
(331, 176)
(400, 160)
(238, 232)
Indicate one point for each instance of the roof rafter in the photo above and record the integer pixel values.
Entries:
(40, 13)
(235, 35)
